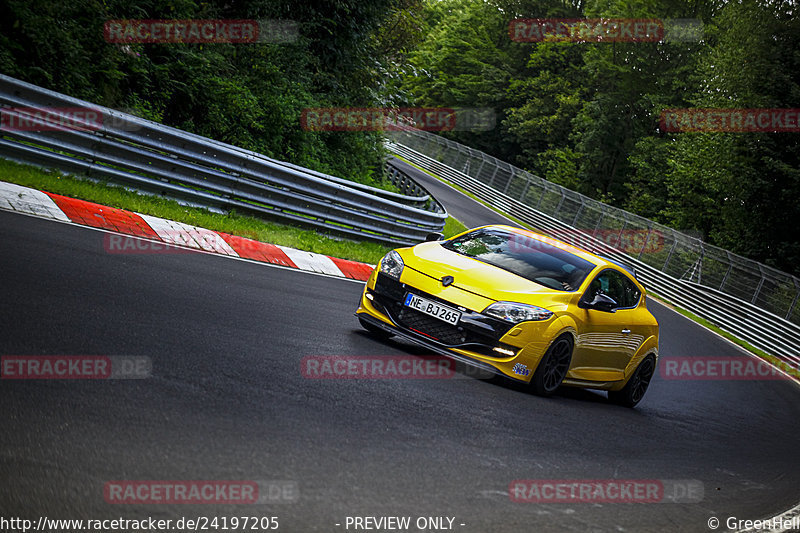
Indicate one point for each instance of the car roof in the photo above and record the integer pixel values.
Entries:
(629, 269)
(592, 257)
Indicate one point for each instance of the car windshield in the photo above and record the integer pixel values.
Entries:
(524, 256)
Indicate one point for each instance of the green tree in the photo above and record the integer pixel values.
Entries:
(251, 95)
(740, 189)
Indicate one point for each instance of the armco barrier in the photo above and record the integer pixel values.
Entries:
(735, 305)
(123, 149)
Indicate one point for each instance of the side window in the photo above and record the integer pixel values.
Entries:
(617, 286)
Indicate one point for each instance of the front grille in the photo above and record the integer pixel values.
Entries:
(441, 331)
(477, 330)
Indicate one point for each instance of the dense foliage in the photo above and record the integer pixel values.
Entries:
(250, 95)
(586, 115)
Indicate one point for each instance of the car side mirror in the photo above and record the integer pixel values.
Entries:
(434, 236)
(602, 302)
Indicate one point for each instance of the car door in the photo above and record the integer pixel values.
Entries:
(606, 341)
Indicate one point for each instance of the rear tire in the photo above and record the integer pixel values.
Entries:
(553, 367)
(374, 330)
(633, 391)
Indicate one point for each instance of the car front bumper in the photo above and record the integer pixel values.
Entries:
(478, 340)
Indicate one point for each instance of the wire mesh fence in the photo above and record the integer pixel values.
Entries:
(677, 254)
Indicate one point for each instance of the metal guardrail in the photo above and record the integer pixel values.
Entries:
(735, 306)
(126, 150)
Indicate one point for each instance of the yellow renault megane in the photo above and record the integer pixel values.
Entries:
(521, 305)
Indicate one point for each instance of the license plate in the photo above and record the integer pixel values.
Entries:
(434, 309)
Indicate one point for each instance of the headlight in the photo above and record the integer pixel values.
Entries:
(514, 312)
(392, 264)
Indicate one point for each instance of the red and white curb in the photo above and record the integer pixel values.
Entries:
(43, 204)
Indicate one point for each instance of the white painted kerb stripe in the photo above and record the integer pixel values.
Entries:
(311, 261)
(24, 200)
(186, 235)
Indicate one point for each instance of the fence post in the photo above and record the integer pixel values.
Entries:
(560, 202)
(760, 284)
(510, 179)
(796, 297)
(599, 220)
(491, 180)
(728, 272)
(671, 250)
(621, 231)
(525, 190)
(478, 173)
(544, 191)
(646, 241)
(577, 213)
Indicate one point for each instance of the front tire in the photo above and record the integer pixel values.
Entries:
(633, 391)
(553, 367)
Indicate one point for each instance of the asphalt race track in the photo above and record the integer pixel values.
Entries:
(227, 401)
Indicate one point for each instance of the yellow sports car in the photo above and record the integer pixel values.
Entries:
(521, 305)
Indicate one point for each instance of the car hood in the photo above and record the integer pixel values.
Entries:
(477, 277)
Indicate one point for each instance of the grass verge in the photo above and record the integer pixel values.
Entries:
(453, 227)
(234, 223)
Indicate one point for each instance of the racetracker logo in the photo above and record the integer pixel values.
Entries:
(200, 492)
(606, 491)
(730, 120)
(64, 119)
(74, 367)
(50, 119)
(174, 242)
(385, 367)
(397, 119)
(724, 369)
(138, 31)
(605, 30)
(632, 241)
(586, 30)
